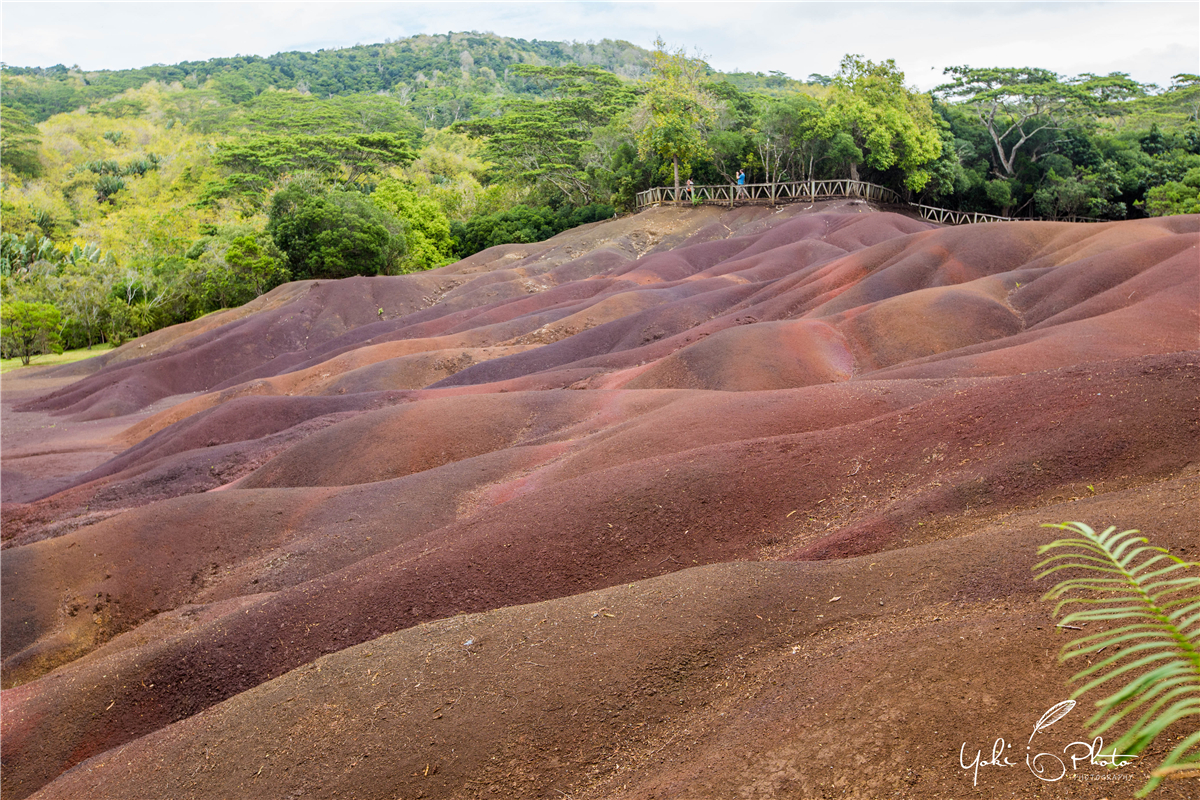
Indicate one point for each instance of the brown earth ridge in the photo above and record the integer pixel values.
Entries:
(696, 503)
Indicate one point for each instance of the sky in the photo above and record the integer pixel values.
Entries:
(1149, 39)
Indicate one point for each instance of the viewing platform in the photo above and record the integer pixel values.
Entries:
(773, 194)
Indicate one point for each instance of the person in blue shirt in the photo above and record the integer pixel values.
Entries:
(741, 182)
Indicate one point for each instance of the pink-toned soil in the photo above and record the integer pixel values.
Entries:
(692, 504)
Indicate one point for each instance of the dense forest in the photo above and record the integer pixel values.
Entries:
(135, 199)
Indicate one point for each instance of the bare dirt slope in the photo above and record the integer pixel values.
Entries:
(697, 503)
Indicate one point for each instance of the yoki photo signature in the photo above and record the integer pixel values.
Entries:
(1043, 765)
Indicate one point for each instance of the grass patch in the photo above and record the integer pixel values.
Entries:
(50, 359)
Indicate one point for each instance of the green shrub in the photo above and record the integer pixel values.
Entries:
(29, 329)
(522, 224)
(107, 186)
(426, 230)
(1175, 197)
(326, 233)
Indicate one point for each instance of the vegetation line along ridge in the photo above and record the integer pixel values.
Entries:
(137, 199)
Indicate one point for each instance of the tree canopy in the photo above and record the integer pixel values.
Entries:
(1175, 197)
(257, 161)
(676, 113)
(30, 328)
(19, 141)
(329, 233)
(894, 127)
(1017, 104)
(426, 231)
(547, 140)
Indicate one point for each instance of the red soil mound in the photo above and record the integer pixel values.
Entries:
(271, 575)
(713, 681)
(771, 355)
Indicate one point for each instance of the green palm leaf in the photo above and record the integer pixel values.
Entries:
(1152, 667)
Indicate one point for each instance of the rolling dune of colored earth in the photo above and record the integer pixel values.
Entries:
(695, 503)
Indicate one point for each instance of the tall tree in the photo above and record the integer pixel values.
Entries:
(545, 141)
(257, 161)
(787, 137)
(676, 112)
(1182, 96)
(30, 328)
(19, 141)
(254, 266)
(772, 137)
(893, 126)
(1016, 104)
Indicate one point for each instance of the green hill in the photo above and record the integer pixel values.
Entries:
(412, 70)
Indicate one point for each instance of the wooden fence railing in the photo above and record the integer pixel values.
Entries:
(770, 193)
(809, 192)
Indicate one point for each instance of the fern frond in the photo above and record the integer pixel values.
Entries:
(1156, 653)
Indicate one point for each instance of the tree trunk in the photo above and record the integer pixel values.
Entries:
(853, 171)
(675, 163)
